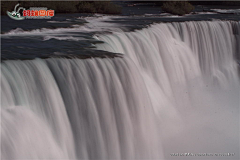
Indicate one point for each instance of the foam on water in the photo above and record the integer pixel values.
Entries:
(69, 38)
(95, 23)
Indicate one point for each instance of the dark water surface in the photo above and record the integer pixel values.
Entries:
(71, 35)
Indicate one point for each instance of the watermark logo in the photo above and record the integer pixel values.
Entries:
(31, 13)
(16, 14)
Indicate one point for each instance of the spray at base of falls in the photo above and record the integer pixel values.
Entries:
(175, 90)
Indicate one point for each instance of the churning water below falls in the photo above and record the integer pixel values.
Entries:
(175, 90)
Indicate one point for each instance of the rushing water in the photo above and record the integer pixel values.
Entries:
(175, 90)
(191, 76)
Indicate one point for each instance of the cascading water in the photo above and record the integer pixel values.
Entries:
(175, 90)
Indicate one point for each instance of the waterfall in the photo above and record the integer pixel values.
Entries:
(208, 46)
(176, 89)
